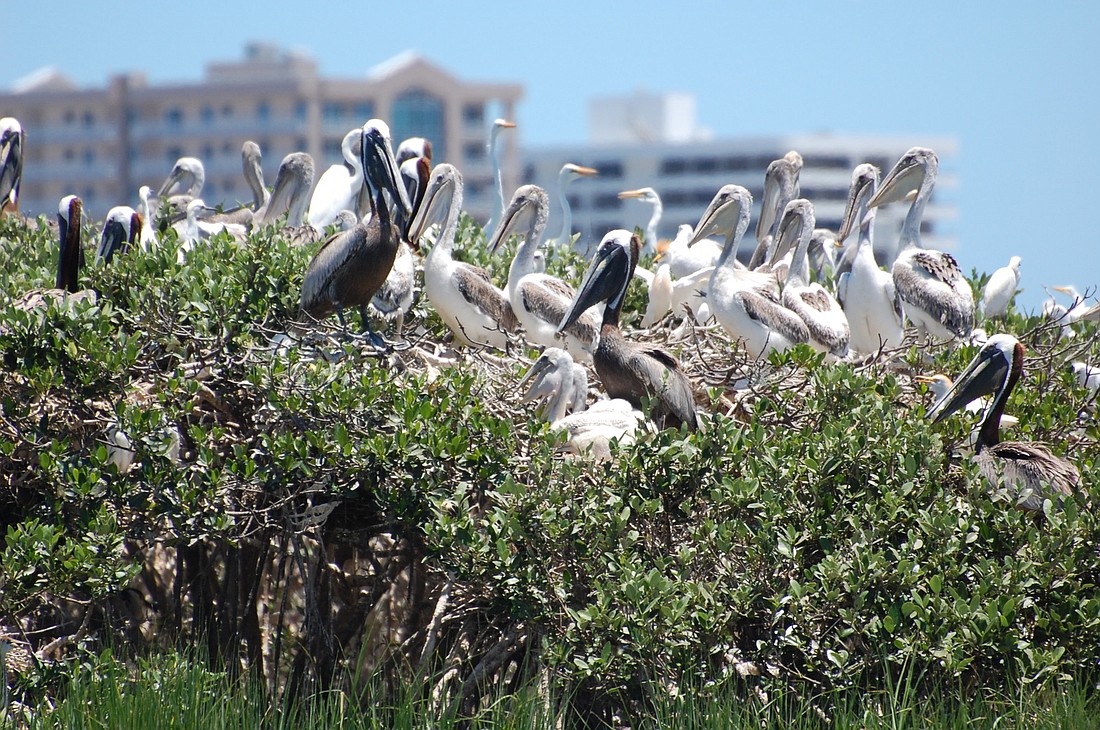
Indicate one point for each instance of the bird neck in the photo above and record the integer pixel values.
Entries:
(990, 432)
(910, 229)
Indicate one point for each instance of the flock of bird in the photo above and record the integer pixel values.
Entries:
(802, 284)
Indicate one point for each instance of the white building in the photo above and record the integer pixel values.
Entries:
(649, 141)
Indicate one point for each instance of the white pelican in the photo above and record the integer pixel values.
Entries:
(780, 188)
(647, 195)
(251, 162)
(645, 375)
(291, 192)
(1000, 289)
(479, 314)
(498, 177)
(69, 260)
(568, 173)
(934, 292)
(1027, 470)
(866, 292)
(746, 303)
(539, 300)
(339, 186)
(684, 259)
(351, 265)
(558, 384)
(12, 139)
(825, 320)
(121, 230)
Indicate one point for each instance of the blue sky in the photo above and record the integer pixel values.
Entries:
(1014, 82)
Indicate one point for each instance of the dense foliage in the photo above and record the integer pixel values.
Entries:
(310, 510)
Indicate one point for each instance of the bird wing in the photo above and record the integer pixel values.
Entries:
(1021, 465)
(763, 308)
(549, 298)
(475, 286)
(660, 373)
(334, 254)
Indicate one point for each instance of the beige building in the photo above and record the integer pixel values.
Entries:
(104, 143)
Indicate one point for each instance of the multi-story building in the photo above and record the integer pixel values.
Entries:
(649, 140)
(103, 143)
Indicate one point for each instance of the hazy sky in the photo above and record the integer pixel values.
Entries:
(1014, 82)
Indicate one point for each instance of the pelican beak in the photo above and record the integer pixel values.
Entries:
(603, 281)
(510, 222)
(713, 222)
(790, 230)
(429, 210)
(899, 183)
(381, 168)
(538, 368)
(113, 240)
(984, 375)
(173, 178)
(862, 185)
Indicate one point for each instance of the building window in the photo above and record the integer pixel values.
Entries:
(416, 113)
(227, 149)
(673, 166)
(173, 153)
(332, 111)
(69, 154)
(70, 117)
(174, 117)
(606, 201)
(208, 151)
(473, 114)
(476, 188)
(263, 111)
(227, 111)
(575, 202)
(827, 162)
(228, 186)
(88, 119)
(332, 151)
(89, 157)
(473, 151)
(612, 169)
(89, 194)
(364, 110)
(300, 109)
(705, 165)
(206, 114)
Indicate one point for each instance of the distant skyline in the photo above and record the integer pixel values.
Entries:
(1012, 82)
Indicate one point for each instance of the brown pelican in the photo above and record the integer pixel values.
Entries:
(291, 192)
(412, 148)
(632, 371)
(339, 186)
(825, 320)
(121, 230)
(251, 162)
(866, 292)
(12, 140)
(352, 265)
(477, 312)
(685, 255)
(558, 384)
(1000, 289)
(69, 260)
(647, 195)
(939, 384)
(746, 303)
(395, 296)
(935, 294)
(568, 173)
(539, 301)
(498, 178)
(780, 188)
(1027, 470)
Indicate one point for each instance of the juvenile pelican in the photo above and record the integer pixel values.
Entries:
(12, 140)
(825, 320)
(568, 173)
(291, 192)
(1000, 289)
(395, 297)
(591, 431)
(351, 265)
(780, 188)
(183, 184)
(539, 300)
(866, 292)
(1026, 469)
(121, 230)
(558, 384)
(252, 163)
(498, 177)
(69, 260)
(338, 188)
(632, 371)
(478, 313)
(192, 230)
(684, 259)
(934, 292)
(746, 303)
(647, 195)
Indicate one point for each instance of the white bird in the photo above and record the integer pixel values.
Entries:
(558, 384)
(412, 148)
(540, 301)
(479, 314)
(666, 295)
(291, 192)
(591, 432)
(498, 177)
(339, 186)
(1079, 308)
(1000, 289)
(685, 258)
(192, 230)
(147, 208)
(647, 195)
(816, 307)
(746, 303)
(1088, 376)
(780, 188)
(183, 184)
(568, 173)
(934, 292)
(866, 292)
(252, 164)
